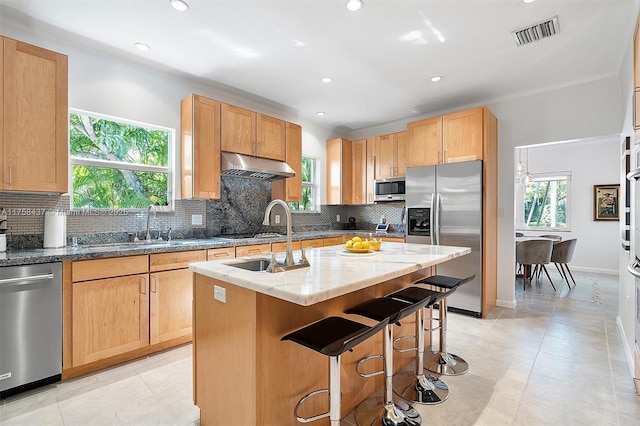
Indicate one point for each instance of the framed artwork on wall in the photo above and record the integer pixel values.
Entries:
(606, 202)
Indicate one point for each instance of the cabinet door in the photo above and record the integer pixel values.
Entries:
(200, 143)
(424, 142)
(35, 122)
(238, 130)
(290, 189)
(338, 177)
(359, 171)
(636, 109)
(110, 317)
(401, 153)
(271, 138)
(462, 135)
(385, 156)
(171, 296)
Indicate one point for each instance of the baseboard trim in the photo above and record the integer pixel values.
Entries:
(595, 270)
(511, 304)
(628, 352)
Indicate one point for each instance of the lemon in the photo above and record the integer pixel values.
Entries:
(357, 245)
(349, 244)
(366, 245)
(356, 239)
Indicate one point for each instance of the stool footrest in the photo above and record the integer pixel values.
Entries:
(365, 359)
(397, 339)
(303, 400)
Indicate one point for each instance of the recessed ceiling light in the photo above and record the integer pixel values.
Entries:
(528, 1)
(327, 79)
(142, 46)
(179, 5)
(320, 113)
(436, 78)
(354, 5)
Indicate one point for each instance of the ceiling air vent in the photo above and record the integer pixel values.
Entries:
(536, 32)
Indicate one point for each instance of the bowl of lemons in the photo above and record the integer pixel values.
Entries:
(358, 245)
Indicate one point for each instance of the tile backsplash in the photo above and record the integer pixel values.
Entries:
(239, 211)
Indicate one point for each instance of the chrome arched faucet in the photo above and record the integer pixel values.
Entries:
(288, 257)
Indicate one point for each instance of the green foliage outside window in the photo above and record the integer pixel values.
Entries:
(308, 187)
(545, 204)
(117, 164)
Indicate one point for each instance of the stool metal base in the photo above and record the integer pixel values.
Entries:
(424, 389)
(446, 363)
(372, 412)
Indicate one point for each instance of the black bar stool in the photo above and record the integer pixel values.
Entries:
(331, 336)
(417, 386)
(441, 361)
(389, 412)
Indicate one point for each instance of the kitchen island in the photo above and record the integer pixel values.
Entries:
(244, 374)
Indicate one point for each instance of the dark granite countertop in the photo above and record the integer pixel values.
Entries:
(25, 257)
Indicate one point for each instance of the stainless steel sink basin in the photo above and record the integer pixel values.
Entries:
(256, 265)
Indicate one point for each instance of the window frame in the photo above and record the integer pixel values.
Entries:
(314, 185)
(544, 177)
(169, 169)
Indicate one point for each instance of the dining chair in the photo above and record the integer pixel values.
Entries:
(537, 254)
(561, 255)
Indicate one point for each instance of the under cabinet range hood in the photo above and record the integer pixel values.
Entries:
(246, 166)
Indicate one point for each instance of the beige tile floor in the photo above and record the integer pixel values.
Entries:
(555, 360)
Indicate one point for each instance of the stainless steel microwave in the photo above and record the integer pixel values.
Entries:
(392, 189)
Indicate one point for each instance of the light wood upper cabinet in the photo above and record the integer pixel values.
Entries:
(290, 189)
(200, 147)
(359, 171)
(462, 135)
(447, 139)
(34, 126)
(238, 130)
(250, 133)
(338, 171)
(271, 138)
(391, 155)
(424, 142)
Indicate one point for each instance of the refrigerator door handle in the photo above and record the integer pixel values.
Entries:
(437, 209)
(432, 219)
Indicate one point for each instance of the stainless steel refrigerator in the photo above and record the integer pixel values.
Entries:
(444, 207)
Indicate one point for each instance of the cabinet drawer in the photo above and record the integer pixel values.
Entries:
(253, 250)
(176, 260)
(392, 239)
(312, 243)
(221, 253)
(83, 270)
(282, 247)
(333, 241)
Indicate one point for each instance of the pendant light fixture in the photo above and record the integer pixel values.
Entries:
(526, 180)
(521, 168)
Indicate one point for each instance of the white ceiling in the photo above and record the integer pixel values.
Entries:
(380, 58)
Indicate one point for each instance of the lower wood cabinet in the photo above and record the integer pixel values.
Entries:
(110, 317)
(122, 308)
(170, 303)
(253, 250)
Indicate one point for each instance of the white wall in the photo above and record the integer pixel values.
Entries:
(591, 162)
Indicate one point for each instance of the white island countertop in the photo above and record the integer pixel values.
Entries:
(333, 271)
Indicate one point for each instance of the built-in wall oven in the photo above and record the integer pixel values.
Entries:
(634, 268)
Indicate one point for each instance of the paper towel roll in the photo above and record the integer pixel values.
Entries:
(55, 229)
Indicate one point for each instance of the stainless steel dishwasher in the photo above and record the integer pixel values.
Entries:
(30, 326)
